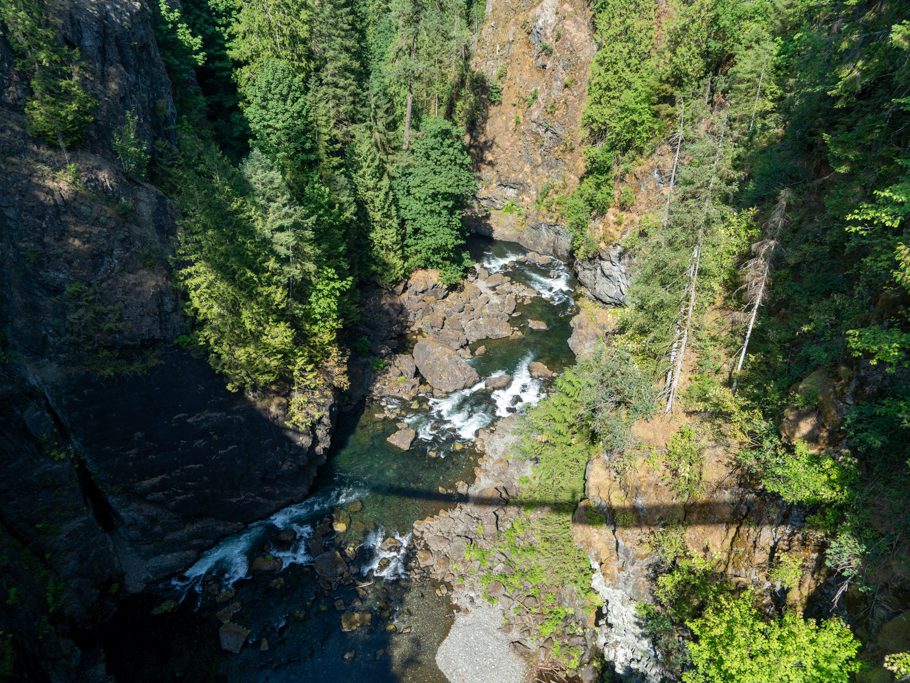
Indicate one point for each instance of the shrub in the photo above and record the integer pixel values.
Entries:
(735, 643)
(130, 149)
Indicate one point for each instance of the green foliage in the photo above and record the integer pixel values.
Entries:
(620, 108)
(58, 108)
(787, 571)
(800, 474)
(374, 189)
(735, 643)
(898, 664)
(434, 184)
(279, 116)
(683, 460)
(130, 149)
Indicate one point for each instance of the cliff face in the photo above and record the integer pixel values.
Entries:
(124, 454)
(537, 54)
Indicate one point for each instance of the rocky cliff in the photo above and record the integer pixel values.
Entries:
(536, 56)
(124, 454)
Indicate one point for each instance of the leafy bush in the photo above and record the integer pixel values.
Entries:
(800, 475)
(683, 460)
(733, 642)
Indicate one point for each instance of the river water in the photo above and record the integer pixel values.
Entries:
(378, 492)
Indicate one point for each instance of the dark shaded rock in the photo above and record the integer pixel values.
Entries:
(264, 564)
(233, 637)
(442, 367)
(606, 276)
(330, 565)
(402, 439)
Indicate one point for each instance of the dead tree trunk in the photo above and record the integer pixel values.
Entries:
(691, 287)
(756, 272)
(409, 103)
(679, 141)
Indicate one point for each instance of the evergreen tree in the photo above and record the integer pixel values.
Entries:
(337, 53)
(278, 112)
(434, 186)
(374, 189)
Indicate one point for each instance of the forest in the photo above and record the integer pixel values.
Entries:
(324, 148)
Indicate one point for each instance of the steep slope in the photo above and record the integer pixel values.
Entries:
(124, 454)
(536, 55)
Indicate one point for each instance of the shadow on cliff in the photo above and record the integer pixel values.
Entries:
(700, 512)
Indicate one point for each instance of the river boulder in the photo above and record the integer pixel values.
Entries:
(486, 328)
(402, 439)
(442, 367)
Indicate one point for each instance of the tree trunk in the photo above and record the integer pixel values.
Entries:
(693, 276)
(778, 218)
(409, 103)
(679, 140)
(755, 305)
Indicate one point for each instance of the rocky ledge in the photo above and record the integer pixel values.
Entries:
(446, 322)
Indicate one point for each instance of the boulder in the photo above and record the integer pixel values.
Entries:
(606, 275)
(497, 382)
(539, 370)
(442, 367)
(537, 325)
(233, 637)
(403, 438)
(330, 565)
(265, 563)
(351, 621)
(486, 328)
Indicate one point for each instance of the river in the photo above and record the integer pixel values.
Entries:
(376, 492)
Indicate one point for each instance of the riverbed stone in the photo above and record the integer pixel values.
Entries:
(486, 328)
(330, 564)
(537, 325)
(233, 637)
(497, 382)
(539, 370)
(264, 564)
(403, 438)
(351, 621)
(442, 367)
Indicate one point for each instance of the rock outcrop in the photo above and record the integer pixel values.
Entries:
(606, 276)
(530, 147)
(124, 455)
(444, 369)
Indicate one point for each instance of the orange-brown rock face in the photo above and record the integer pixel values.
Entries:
(538, 54)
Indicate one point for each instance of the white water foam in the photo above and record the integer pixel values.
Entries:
(455, 414)
(396, 556)
(555, 289)
(524, 390)
(230, 558)
(497, 264)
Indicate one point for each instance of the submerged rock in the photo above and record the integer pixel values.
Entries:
(442, 367)
(351, 621)
(403, 438)
(537, 325)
